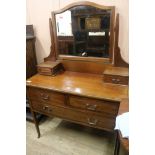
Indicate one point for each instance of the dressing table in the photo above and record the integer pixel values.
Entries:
(86, 48)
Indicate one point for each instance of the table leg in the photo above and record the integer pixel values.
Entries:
(36, 123)
(116, 149)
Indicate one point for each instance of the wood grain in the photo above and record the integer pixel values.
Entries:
(116, 75)
(82, 84)
(84, 66)
(46, 96)
(101, 106)
(116, 79)
(121, 71)
(118, 60)
(75, 115)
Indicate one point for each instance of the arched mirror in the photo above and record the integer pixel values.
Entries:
(84, 30)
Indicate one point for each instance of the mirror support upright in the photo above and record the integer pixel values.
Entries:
(118, 60)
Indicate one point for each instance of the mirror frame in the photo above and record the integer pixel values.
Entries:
(53, 31)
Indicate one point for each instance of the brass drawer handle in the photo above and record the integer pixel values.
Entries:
(118, 80)
(91, 107)
(115, 80)
(45, 107)
(90, 122)
(45, 97)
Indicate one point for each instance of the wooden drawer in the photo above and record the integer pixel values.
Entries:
(41, 107)
(78, 116)
(50, 68)
(44, 71)
(89, 119)
(94, 105)
(124, 80)
(46, 96)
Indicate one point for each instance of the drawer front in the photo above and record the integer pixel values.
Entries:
(50, 97)
(44, 108)
(94, 105)
(81, 117)
(44, 71)
(124, 80)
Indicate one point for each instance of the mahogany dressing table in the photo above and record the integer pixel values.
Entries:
(79, 94)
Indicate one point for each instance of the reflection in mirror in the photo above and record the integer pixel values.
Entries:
(84, 31)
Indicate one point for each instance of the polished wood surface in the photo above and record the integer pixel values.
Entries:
(72, 108)
(118, 60)
(45, 96)
(87, 118)
(124, 106)
(116, 79)
(121, 71)
(81, 84)
(101, 106)
(79, 59)
(116, 75)
(50, 68)
(84, 66)
(48, 64)
(52, 55)
(79, 97)
(83, 3)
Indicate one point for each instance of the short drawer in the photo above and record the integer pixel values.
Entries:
(102, 106)
(46, 96)
(115, 79)
(44, 71)
(41, 107)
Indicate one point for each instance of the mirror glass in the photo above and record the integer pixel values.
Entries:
(84, 31)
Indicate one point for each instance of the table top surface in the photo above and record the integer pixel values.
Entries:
(82, 84)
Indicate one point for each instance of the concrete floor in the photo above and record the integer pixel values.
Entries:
(64, 138)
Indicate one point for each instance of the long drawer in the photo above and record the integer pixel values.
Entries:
(79, 116)
(46, 96)
(95, 105)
